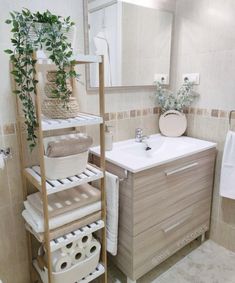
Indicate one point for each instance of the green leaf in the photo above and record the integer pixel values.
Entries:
(16, 91)
(8, 51)
(8, 22)
(52, 35)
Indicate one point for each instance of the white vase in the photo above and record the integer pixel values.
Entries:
(173, 123)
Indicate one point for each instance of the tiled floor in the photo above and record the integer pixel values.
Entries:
(208, 263)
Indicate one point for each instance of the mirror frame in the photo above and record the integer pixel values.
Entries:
(115, 89)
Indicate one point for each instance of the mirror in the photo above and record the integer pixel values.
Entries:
(135, 41)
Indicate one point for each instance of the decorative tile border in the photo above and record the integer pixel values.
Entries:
(133, 113)
(10, 128)
(213, 113)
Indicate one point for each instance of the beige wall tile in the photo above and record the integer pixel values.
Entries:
(227, 211)
(223, 234)
(5, 196)
(223, 210)
(9, 129)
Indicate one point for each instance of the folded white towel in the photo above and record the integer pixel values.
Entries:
(36, 220)
(227, 178)
(112, 197)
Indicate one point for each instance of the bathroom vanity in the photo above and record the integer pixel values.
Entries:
(165, 198)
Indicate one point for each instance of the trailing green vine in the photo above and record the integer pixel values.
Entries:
(31, 32)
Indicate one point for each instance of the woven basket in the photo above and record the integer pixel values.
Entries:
(51, 76)
(54, 108)
(50, 86)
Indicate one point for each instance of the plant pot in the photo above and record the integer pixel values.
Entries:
(50, 86)
(54, 108)
(173, 123)
(51, 76)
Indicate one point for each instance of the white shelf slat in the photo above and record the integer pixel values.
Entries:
(78, 58)
(83, 59)
(82, 119)
(53, 186)
(95, 274)
(76, 235)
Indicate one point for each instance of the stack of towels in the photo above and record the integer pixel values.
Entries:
(64, 207)
(65, 145)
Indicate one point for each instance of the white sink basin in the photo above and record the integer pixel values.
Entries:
(134, 157)
(139, 150)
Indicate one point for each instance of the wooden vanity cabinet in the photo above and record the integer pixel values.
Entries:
(162, 209)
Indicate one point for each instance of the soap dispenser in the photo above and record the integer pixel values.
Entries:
(108, 138)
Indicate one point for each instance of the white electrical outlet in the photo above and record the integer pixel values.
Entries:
(162, 78)
(192, 78)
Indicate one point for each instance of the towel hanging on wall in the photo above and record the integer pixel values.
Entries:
(227, 178)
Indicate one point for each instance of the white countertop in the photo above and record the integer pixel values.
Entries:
(134, 157)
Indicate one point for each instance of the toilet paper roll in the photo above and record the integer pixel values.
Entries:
(78, 255)
(2, 161)
(92, 247)
(84, 241)
(60, 261)
(69, 248)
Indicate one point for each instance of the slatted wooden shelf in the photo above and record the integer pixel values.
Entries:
(82, 119)
(76, 235)
(91, 173)
(77, 59)
(75, 229)
(67, 228)
(95, 274)
(85, 59)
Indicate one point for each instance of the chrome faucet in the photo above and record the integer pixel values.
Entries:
(139, 137)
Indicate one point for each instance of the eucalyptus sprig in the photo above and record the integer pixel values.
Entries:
(49, 32)
(169, 100)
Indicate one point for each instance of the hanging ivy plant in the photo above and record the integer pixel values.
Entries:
(31, 32)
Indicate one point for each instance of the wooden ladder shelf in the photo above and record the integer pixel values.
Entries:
(35, 175)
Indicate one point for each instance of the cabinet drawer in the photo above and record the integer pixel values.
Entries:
(169, 236)
(162, 193)
(181, 171)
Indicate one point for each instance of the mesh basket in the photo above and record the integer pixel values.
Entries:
(54, 108)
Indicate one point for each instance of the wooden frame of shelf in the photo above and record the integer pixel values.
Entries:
(36, 175)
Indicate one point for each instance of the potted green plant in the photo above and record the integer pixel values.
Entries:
(32, 32)
(172, 121)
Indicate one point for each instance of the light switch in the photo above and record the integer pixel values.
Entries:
(161, 78)
(192, 78)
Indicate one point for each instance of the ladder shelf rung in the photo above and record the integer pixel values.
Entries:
(82, 119)
(76, 235)
(93, 222)
(76, 59)
(91, 173)
(99, 270)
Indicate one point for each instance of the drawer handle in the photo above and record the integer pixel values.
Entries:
(168, 229)
(172, 172)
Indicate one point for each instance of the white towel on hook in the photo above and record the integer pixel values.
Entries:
(112, 201)
(227, 178)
